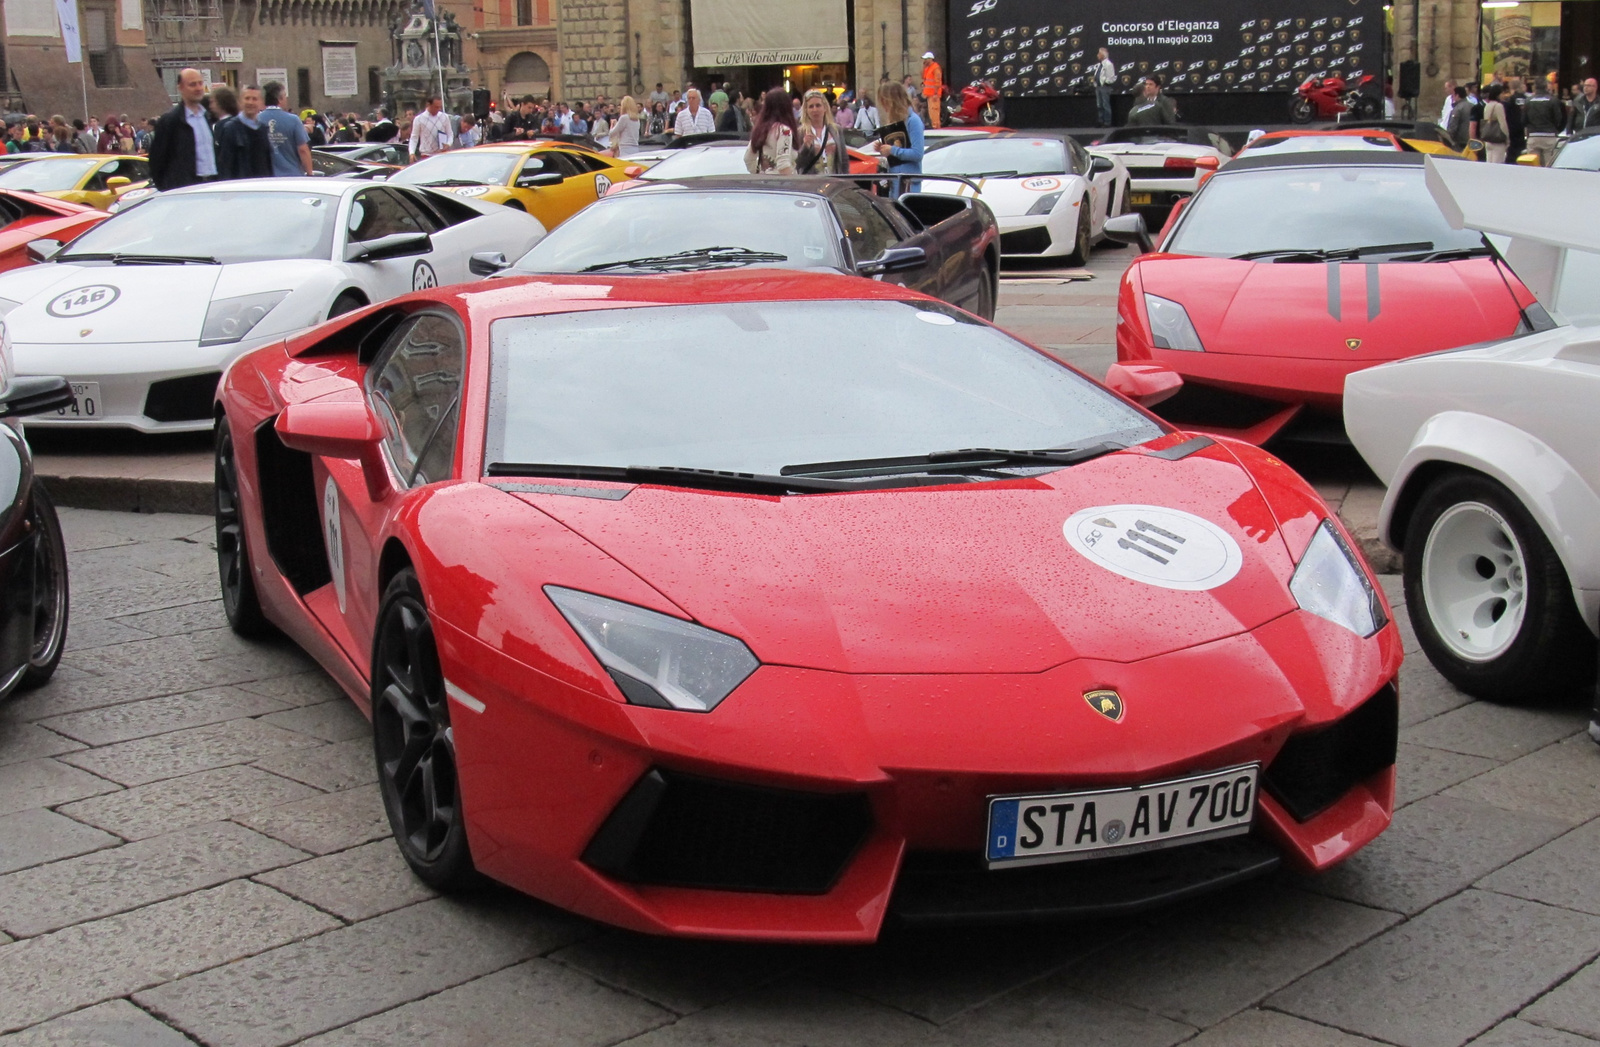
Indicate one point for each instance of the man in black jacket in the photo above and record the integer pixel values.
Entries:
(243, 150)
(182, 151)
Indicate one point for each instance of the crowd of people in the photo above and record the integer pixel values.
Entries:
(1511, 115)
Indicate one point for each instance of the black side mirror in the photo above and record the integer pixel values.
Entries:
(1100, 164)
(1130, 229)
(35, 394)
(544, 178)
(487, 263)
(894, 260)
(43, 250)
(395, 245)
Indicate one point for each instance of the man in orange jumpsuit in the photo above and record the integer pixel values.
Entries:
(933, 88)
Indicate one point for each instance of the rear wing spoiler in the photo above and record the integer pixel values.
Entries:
(1548, 217)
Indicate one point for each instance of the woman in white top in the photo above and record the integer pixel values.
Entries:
(625, 132)
(821, 147)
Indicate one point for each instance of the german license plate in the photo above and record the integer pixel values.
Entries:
(85, 401)
(1140, 199)
(1063, 827)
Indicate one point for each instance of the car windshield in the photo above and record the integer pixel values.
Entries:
(732, 387)
(467, 166)
(1315, 209)
(1321, 144)
(997, 156)
(207, 225)
(1580, 154)
(698, 161)
(653, 225)
(46, 176)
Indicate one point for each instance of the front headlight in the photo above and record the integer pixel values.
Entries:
(230, 319)
(1045, 204)
(656, 659)
(471, 190)
(1331, 583)
(1170, 327)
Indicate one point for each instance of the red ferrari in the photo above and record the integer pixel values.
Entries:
(673, 616)
(26, 217)
(1285, 273)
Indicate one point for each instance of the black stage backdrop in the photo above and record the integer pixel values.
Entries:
(1041, 48)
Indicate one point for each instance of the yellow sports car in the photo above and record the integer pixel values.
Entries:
(94, 180)
(550, 181)
(1424, 137)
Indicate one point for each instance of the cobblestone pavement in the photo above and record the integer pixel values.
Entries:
(192, 849)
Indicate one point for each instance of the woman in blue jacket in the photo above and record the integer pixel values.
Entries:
(900, 134)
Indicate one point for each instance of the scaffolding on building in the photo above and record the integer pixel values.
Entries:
(182, 33)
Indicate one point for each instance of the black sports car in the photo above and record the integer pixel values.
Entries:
(33, 553)
(942, 245)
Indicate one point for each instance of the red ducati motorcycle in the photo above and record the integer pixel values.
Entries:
(1327, 97)
(978, 106)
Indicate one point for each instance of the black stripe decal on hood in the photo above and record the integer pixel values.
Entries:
(1374, 296)
(1333, 290)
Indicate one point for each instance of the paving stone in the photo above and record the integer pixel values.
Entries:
(173, 712)
(938, 975)
(72, 968)
(536, 1002)
(1449, 974)
(27, 741)
(167, 806)
(47, 897)
(1274, 1029)
(1050, 1013)
(115, 1023)
(1206, 960)
(34, 837)
(96, 528)
(1515, 1032)
(1562, 872)
(173, 621)
(363, 969)
(45, 783)
(1573, 1006)
(679, 974)
(1421, 771)
(88, 633)
(1435, 847)
(1424, 694)
(307, 688)
(175, 673)
(331, 768)
(791, 1015)
(188, 751)
(1499, 732)
(324, 823)
(335, 721)
(356, 884)
(1560, 781)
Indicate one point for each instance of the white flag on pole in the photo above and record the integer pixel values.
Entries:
(67, 11)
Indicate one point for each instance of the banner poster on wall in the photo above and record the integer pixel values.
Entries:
(1049, 47)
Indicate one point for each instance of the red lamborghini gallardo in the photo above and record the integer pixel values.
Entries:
(676, 610)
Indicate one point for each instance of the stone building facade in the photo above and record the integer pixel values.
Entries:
(115, 75)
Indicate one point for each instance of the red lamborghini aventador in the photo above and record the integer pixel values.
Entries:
(1288, 271)
(674, 616)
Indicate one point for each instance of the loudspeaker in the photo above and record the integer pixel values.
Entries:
(480, 104)
(1410, 79)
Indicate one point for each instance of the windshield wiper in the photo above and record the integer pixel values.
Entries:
(1448, 255)
(116, 258)
(1317, 254)
(692, 259)
(953, 461)
(708, 479)
(455, 181)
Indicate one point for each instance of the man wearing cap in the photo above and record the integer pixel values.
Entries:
(932, 88)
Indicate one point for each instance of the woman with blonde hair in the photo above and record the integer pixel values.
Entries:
(771, 148)
(821, 146)
(899, 132)
(625, 132)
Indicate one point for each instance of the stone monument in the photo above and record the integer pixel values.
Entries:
(426, 53)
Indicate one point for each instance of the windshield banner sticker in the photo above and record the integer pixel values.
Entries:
(1164, 547)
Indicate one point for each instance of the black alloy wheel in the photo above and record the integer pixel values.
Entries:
(1080, 247)
(237, 582)
(49, 591)
(985, 304)
(413, 742)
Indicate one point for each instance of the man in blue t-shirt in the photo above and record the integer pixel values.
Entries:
(291, 146)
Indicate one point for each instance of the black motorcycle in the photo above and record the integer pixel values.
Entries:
(33, 553)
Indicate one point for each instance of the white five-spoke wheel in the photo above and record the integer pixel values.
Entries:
(1488, 596)
(1474, 581)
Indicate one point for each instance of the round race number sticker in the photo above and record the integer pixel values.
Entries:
(81, 301)
(1164, 547)
(1042, 184)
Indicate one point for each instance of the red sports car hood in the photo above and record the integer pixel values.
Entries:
(1345, 311)
(972, 579)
